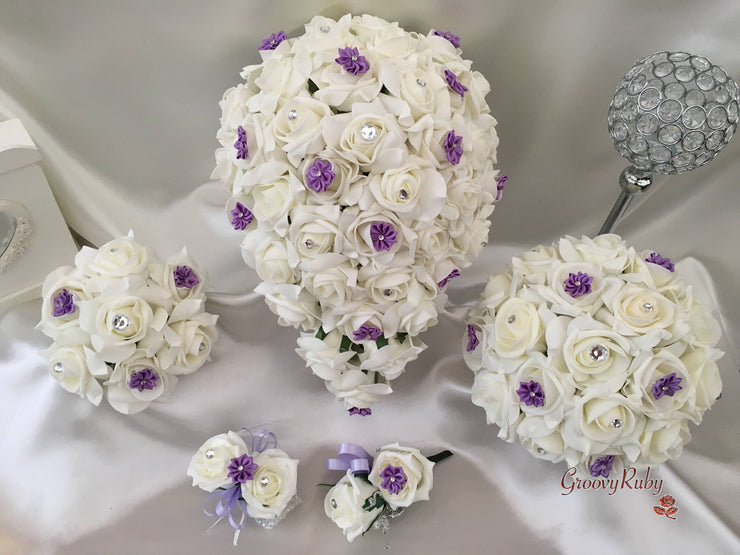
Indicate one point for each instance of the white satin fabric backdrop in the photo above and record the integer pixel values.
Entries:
(122, 100)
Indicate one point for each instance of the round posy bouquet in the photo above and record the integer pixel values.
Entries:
(359, 157)
(124, 323)
(590, 352)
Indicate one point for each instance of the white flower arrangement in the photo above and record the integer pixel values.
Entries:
(360, 159)
(588, 352)
(125, 324)
(374, 491)
(259, 481)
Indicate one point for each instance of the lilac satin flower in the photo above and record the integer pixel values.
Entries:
(350, 59)
(578, 284)
(365, 332)
(500, 180)
(455, 83)
(453, 147)
(655, 258)
(242, 152)
(64, 303)
(362, 412)
(531, 394)
(454, 39)
(319, 175)
(272, 42)
(472, 339)
(185, 277)
(242, 468)
(453, 274)
(383, 236)
(667, 385)
(393, 479)
(145, 378)
(241, 217)
(602, 466)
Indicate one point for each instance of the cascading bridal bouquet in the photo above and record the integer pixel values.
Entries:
(360, 161)
(125, 324)
(589, 352)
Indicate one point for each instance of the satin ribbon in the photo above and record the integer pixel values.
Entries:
(227, 504)
(261, 440)
(352, 457)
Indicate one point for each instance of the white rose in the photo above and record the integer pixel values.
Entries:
(276, 191)
(563, 285)
(189, 344)
(278, 78)
(136, 382)
(662, 441)
(492, 392)
(340, 89)
(323, 356)
(639, 310)
(297, 127)
(181, 277)
(358, 227)
(365, 314)
(472, 242)
(705, 378)
(644, 385)
(209, 467)
(343, 505)
(293, 306)
(534, 264)
(274, 484)
(497, 290)
(518, 329)
(704, 328)
(358, 389)
(550, 447)
(585, 463)
(423, 90)
(340, 190)
(370, 28)
(314, 231)
(333, 280)
(322, 28)
(433, 242)
(272, 256)
(391, 359)
(260, 147)
(609, 252)
(61, 293)
(412, 475)
(77, 369)
(116, 259)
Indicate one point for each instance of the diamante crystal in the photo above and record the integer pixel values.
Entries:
(647, 307)
(421, 82)
(599, 353)
(333, 503)
(540, 450)
(616, 423)
(202, 346)
(324, 28)
(240, 468)
(58, 367)
(511, 319)
(210, 454)
(120, 322)
(309, 244)
(264, 481)
(393, 478)
(388, 292)
(381, 237)
(292, 115)
(369, 131)
(403, 194)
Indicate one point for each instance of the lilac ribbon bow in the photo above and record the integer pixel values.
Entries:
(228, 502)
(352, 457)
(263, 439)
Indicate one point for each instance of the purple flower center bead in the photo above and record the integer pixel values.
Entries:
(242, 468)
(319, 176)
(362, 412)
(145, 378)
(655, 258)
(667, 385)
(455, 83)
(578, 284)
(472, 339)
(602, 466)
(531, 394)
(453, 147)
(242, 152)
(185, 277)
(241, 217)
(454, 39)
(64, 303)
(393, 479)
(383, 236)
(350, 59)
(453, 274)
(272, 42)
(365, 332)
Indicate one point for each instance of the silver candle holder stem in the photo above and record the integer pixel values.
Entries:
(633, 181)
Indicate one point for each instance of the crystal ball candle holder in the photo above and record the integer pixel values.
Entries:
(673, 112)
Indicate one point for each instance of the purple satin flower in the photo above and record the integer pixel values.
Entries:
(383, 236)
(455, 83)
(350, 59)
(500, 180)
(667, 385)
(655, 258)
(578, 284)
(531, 394)
(242, 468)
(319, 175)
(241, 217)
(362, 412)
(185, 277)
(64, 303)
(393, 479)
(272, 42)
(145, 378)
(453, 147)
(453, 274)
(454, 39)
(365, 332)
(602, 466)
(242, 152)
(472, 339)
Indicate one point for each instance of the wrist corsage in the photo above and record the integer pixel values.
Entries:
(259, 481)
(374, 491)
